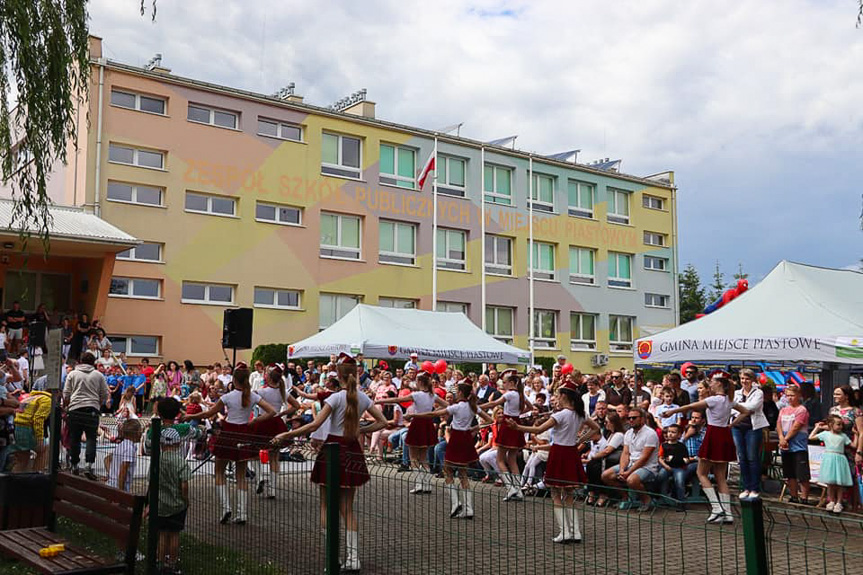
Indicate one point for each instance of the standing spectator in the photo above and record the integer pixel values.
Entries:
(226, 378)
(256, 380)
(412, 363)
(681, 396)
(146, 370)
(67, 333)
(101, 340)
(690, 383)
(107, 361)
(592, 397)
(846, 407)
(79, 339)
(793, 445)
(174, 477)
(121, 463)
(811, 402)
(191, 377)
(15, 320)
(667, 405)
(639, 462)
(85, 392)
(834, 469)
(485, 392)
(617, 392)
(24, 368)
(748, 434)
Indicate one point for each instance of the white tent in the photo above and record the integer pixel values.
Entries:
(797, 313)
(384, 332)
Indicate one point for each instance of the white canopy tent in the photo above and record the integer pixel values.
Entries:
(384, 332)
(797, 313)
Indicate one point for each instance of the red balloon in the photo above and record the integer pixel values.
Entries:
(440, 366)
(566, 368)
(762, 378)
(427, 366)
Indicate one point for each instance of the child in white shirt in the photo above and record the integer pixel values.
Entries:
(121, 463)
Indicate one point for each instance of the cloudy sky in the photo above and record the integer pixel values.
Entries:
(756, 105)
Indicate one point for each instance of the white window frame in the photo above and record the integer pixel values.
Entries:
(579, 277)
(657, 300)
(398, 303)
(209, 211)
(280, 129)
(541, 274)
(206, 300)
(129, 339)
(212, 116)
(275, 299)
(492, 197)
(337, 249)
(135, 156)
(339, 300)
(447, 263)
(131, 284)
(620, 345)
(615, 217)
(339, 170)
(452, 307)
(542, 205)
(392, 258)
(654, 239)
(443, 185)
(578, 210)
(618, 281)
(137, 106)
(133, 253)
(495, 267)
(544, 342)
(395, 179)
(491, 327)
(278, 208)
(652, 202)
(576, 323)
(664, 265)
(134, 189)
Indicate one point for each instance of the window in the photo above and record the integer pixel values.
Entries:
(654, 239)
(212, 116)
(276, 214)
(146, 252)
(581, 197)
(280, 130)
(544, 328)
(656, 264)
(136, 157)
(619, 270)
(656, 300)
(340, 156)
(618, 206)
(33, 288)
(498, 255)
(581, 265)
(620, 332)
(397, 243)
(543, 261)
(136, 288)
(451, 249)
(340, 236)
(498, 185)
(135, 345)
(334, 307)
(397, 303)
(277, 298)
(543, 193)
(138, 102)
(215, 294)
(398, 166)
(499, 322)
(135, 193)
(213, 205)
(582, 328)
(451, 176)
(452, 307)
(652, 202)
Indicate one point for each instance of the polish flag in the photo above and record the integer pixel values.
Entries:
(425, 171)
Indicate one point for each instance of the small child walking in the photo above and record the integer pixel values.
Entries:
(121, 462)
(835, 471)
(174, 476)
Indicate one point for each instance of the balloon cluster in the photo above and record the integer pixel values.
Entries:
(437, 367)
(566, 369)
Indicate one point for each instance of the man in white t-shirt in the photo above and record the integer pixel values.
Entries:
(639, 462)
(413, 363)
(24, 368)
(397, 379)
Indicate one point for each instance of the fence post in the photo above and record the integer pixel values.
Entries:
(332, 494)
(754, 541)
(54, 463)
(153, 496)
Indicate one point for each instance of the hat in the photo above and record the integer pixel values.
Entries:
(686, 366)
(720, 373)
(169, 436)
(509, 370)
(561, 356)
(241, 365)
(332, 375)
(570, 386)
(414, 354)
(345, 357)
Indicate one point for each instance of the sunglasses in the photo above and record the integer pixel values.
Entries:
(631, 417)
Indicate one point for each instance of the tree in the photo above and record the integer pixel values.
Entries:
(740, 275)
(692, 297)
(718, 286)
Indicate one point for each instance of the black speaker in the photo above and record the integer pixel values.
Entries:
(37, 332)
(237, 328)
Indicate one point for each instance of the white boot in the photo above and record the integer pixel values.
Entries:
(467, 511)
(271, 484)
(455, 502)
(418, 482)
(225, 500)
(352, 558)
(715, 507)
(573, 526)
(725, 503)
(427, 481)
(242, 500)
(560, 520)
(514, 493)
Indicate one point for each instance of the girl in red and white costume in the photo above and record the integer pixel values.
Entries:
(421, 432)
(509, 441)
(564, 469)
(236, 441)
(343, 410)
(274, 393)
(461, 449)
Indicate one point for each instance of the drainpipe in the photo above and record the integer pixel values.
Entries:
(97, 208)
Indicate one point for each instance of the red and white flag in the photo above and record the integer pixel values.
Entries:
(424, 173)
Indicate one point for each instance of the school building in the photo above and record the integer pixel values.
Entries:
(240, 199)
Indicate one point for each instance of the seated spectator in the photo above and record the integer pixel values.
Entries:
(639, 461)
(536, 456)
(693, 437)
(607, 454)
(673, 457)
(594, 394)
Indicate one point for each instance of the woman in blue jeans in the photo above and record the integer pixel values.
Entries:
(748, 434)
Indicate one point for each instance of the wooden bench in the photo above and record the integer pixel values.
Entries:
(105, 509)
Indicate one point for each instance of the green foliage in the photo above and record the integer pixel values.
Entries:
(740, 275)
(692, 297)
(545, 361)
(718, 286)
(466, 368)
(271, 353)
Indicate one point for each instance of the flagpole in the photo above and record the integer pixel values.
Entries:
(532, 328)
(434, 230)
(482, 297)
